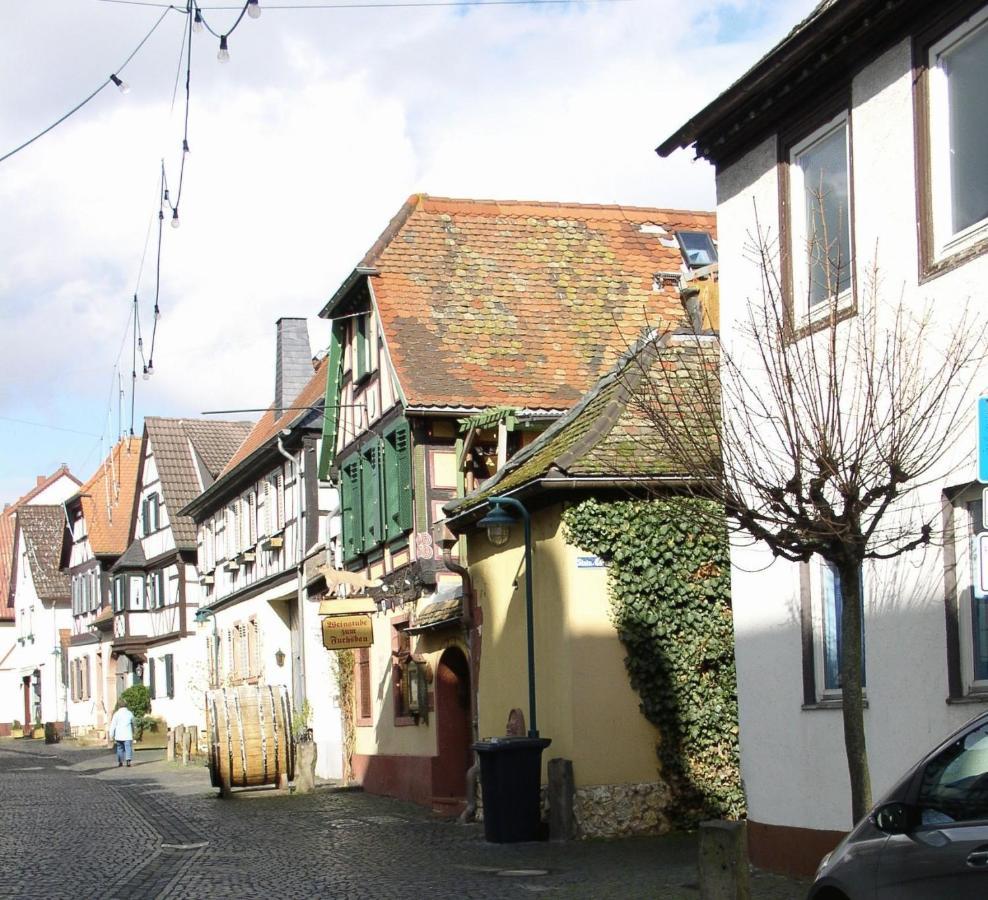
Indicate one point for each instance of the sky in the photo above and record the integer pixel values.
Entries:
(302, 148)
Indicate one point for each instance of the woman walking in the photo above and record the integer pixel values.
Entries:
(122, 731)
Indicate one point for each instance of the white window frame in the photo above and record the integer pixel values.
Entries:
(966, 560)
(945, 242)
(798, 239)
(817, 568)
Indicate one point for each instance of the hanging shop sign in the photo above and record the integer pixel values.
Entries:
(347, 632)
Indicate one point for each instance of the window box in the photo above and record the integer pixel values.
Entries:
(248, 556)
(275, 542)
(206, 579)
(231, 565)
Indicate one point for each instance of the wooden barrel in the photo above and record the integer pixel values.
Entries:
(250, 735)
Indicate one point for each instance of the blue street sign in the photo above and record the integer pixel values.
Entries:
(983, 440)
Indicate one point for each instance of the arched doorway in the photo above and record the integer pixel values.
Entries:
(453, 732)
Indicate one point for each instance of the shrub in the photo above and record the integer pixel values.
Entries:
(137, 699)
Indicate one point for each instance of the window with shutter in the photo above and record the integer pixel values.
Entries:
(268, 520)
(86, 687)
(370, 494)
(251, 520)
(279, 499)
(254, 649)
(73, 680)
(169, 661)
(151, 681)
(230, 657)
(360, 341)
(352, 511)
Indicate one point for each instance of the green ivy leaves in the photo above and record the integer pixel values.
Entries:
(670, 603)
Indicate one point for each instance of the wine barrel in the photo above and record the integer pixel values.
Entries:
(250, 735)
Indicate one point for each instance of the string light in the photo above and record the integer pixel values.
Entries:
(224, 54)
(122, 86)
(197, 26)
(253, 9)
(175, 222)
(147, 374)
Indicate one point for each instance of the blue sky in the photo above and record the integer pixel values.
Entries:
(302, 148)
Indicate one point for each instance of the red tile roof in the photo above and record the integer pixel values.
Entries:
(108, 499)
(7, 517)
(267, 427)
(489, 303)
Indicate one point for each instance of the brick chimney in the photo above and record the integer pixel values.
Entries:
(293, 362)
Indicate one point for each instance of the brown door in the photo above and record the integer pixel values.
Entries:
(28, 718)
(453, 733)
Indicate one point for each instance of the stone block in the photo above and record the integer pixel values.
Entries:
(723, 861)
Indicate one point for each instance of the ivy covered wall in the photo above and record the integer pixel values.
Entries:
(669, 583)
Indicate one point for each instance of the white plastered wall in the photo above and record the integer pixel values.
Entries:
(793, 760)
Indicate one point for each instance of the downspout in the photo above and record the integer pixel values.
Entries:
(473, 649)
(300, 565)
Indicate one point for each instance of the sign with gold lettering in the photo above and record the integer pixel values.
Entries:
(347, 632)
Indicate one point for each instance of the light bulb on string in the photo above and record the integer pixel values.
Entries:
(150, 368)
(224, 54)
(122, 86)
(157, 312)
(175, 222)
(147, 374)
(253, 9)
(197, 22)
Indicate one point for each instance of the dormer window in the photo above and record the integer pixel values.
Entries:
(698, 248)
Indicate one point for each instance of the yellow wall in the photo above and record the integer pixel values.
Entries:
(584, 701)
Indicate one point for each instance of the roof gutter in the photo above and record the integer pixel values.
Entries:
(461, 521)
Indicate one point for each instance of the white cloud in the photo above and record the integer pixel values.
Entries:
(302, 148)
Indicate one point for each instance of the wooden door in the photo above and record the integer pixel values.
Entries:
(454, 735)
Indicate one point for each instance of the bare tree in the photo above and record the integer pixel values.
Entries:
(828, 432)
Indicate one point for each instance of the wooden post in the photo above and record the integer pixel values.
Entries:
(170, 746)
(186, 745)
(193, 730)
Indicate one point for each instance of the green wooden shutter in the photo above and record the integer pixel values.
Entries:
(370, 493)
(331, 409)
(353, 540)
(151, 678)
(169, 675)
(403, 454)
(392, 487)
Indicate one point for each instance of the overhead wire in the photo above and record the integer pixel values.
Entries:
(110, 79)
(390, 4)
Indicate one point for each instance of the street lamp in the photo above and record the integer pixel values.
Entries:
(202, 614)
(498, 522)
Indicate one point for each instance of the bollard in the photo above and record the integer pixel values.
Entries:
(186, 746)
(170, 746)
(723, 861)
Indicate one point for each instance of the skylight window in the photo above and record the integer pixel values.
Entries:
(697, 247)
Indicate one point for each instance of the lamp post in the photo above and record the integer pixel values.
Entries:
(498, 522)
(201, 615)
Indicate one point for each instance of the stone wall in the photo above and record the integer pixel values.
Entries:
(613, 810)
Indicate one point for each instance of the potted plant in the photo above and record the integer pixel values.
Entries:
(305, 749)
(37, 730)
(16, 730)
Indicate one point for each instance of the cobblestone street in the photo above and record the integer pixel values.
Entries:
(77, 826)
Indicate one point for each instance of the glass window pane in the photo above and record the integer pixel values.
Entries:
(697, 247)
(832, 613)
(979, 601)
(826, 198)
(966, 67)
(955, 784)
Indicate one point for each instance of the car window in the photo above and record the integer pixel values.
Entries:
(954, 787)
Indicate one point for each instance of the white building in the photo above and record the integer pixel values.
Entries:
(882, 102)
(47, 490)
(99, 520)
(155, 591)
(258, 524)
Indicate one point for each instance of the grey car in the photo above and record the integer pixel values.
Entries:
(927, 837)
